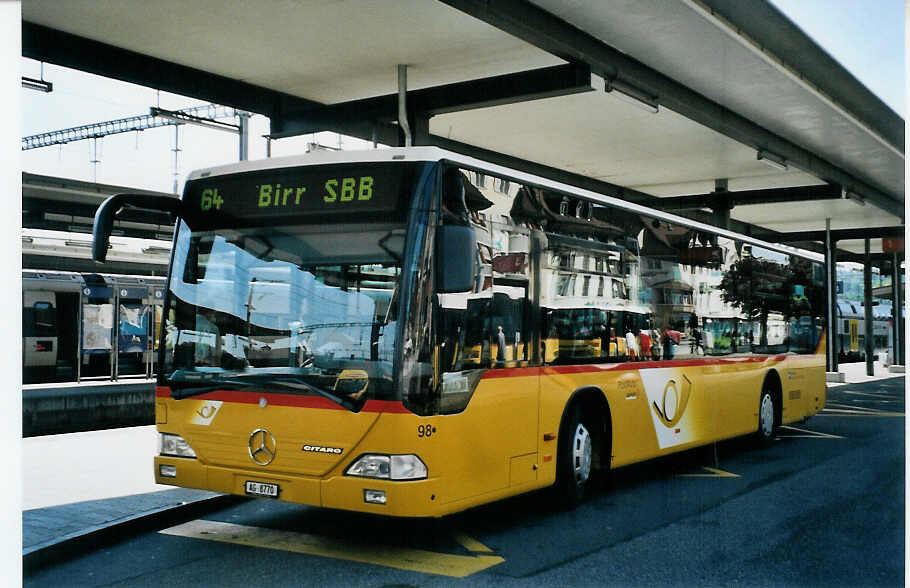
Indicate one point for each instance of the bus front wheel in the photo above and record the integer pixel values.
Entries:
(576, 456)
(766, 412)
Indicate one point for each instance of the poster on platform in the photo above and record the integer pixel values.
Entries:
(97, 326)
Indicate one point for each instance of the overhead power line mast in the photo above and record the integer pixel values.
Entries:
(199, 115)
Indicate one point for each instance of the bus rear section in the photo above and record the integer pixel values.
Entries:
(399, 333)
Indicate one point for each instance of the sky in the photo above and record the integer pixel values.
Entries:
(866, 36)
(135, 159)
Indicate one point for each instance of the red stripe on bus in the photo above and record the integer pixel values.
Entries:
(245, 397)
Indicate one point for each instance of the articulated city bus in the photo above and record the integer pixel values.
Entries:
(414, 332)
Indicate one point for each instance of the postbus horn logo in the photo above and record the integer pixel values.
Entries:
(674, 401)
(262, 446)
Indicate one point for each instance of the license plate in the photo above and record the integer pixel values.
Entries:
(262, 489)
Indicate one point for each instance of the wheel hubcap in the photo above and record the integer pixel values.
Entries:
(767, 415)
(581, 454)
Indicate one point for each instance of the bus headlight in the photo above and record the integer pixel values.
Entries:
(388, 467)
(174, 446)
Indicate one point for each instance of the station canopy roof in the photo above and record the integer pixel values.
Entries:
(526, 82)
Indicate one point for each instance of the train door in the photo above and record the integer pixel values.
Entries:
(39, 336)
(67, 335)
(855, 339)
(97, 329)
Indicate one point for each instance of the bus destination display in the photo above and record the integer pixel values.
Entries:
(302, 191)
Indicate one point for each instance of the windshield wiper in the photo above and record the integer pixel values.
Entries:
(196, 383)
(294, 383)
(185, 384)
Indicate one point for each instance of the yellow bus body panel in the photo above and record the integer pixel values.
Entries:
(503, 443)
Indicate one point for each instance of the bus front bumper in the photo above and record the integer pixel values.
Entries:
(413, 498)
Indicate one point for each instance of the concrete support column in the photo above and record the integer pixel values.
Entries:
(723, 205)
(897, 294)
(867, 304)
(831, 318)
(244, 135)
(420, 125)
(896, 310)
(403, 122)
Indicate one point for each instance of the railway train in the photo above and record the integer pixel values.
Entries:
(88, 326)
(851, 330)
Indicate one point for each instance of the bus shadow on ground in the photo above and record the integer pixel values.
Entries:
(532, 534)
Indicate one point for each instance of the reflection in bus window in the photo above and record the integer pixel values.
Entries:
(609, 277)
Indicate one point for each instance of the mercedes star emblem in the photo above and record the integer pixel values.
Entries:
(263, 447)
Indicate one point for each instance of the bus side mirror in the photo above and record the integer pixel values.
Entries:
(110, 208)
(456, 250)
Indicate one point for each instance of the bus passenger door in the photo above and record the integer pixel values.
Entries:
(489, 393)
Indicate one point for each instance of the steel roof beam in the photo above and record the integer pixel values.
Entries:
(53, 185)
(540, 169)
(534, 25)
(47, 44)
(747, 197)
(54, 46)
(36, 206)
(162, 234)
(57, 215)
(843, 234)
(594, 185)
(609, 189)
(547, 82)
(882, 261)
(75, 264)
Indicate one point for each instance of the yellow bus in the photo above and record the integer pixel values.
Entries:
(368, 332)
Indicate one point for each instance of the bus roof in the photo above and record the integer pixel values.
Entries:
(405, 154)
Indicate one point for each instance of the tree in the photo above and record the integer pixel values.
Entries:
(759, 287)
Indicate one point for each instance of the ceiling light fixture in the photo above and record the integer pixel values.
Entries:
(772, 160)
(847, 194)
(632, 94)
(154, 249)
(39, 85)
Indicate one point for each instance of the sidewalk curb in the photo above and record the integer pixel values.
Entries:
(79, 542)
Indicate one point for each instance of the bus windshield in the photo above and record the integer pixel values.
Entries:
(298, 309)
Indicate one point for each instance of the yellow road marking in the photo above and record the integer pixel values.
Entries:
(808, 434)
(713, 473)
(402, 558)
(472, 545)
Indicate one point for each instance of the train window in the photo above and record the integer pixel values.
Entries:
(40, 320)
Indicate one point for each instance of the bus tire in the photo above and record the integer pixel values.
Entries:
(574, 464)
(767, 411)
